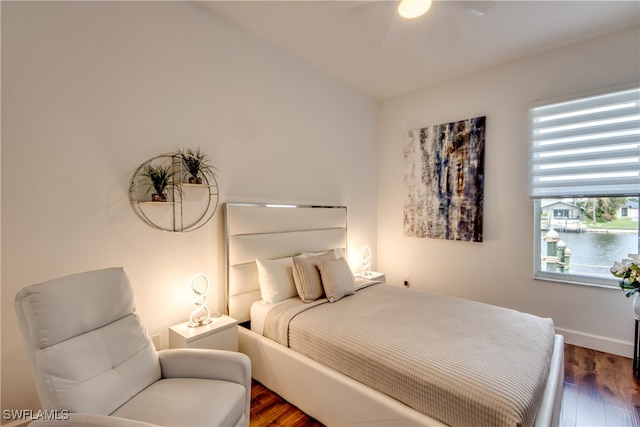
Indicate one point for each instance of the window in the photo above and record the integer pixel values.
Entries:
(561, 213)
(585, 183)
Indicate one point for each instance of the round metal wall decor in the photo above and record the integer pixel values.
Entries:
(162, 195)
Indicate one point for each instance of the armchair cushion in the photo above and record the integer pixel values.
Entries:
(115, 362)
(187, 402)
(62, 308)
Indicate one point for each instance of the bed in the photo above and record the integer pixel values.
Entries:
(338, 376)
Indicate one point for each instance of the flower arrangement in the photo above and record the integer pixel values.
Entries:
(628, 270)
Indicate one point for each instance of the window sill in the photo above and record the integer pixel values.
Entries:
(575, 279)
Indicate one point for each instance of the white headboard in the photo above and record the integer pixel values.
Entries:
(266, 231)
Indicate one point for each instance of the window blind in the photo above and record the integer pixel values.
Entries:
(587, 147)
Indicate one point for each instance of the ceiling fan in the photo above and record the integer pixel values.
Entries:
(396, 22)
(475, 7)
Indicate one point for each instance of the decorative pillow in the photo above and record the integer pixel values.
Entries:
(276, 279)
(337, 279)
(307, 277)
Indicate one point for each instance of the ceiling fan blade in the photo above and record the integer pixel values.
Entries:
(478, 8)
(399, 28)
(394, 29)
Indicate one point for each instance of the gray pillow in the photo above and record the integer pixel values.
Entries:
(307, 277)
(337, 279)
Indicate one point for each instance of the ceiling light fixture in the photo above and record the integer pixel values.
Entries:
(413, 8)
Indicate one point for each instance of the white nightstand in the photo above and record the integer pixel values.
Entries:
(220, 334)
(372, 275)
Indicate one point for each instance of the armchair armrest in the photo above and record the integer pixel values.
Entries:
(208, 364)
(90, 420)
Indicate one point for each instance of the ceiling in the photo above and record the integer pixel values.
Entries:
(366, 45)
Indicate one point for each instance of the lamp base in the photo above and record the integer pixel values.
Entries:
(203, 322)
(199, 323)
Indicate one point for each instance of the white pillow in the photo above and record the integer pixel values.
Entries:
(276, 279)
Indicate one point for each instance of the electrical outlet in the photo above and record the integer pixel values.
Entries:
(406, 281)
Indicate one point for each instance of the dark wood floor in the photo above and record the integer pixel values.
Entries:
(599, 391)
(269, 409)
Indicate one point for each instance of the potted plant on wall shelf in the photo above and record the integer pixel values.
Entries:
(159, 178)
(196, 163)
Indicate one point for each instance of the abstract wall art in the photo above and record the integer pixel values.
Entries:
(444, 181)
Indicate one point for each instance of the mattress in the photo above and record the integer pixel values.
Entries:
(461, 362)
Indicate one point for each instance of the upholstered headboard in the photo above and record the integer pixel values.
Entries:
(265, 231)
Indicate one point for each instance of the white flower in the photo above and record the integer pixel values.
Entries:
(618, 269)
(629, 271)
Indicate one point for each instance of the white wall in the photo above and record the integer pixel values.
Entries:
(499, 270)
(92, 89)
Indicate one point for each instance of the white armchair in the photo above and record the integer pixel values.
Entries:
(91, 356)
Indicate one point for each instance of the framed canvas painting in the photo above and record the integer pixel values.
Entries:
(444, 181)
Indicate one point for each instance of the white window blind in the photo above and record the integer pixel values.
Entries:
(587, 147)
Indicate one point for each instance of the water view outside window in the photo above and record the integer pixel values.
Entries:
(593, 233)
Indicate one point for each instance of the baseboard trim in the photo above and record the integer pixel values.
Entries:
(597, 342)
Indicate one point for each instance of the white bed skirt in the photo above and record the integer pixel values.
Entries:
(337, 400)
